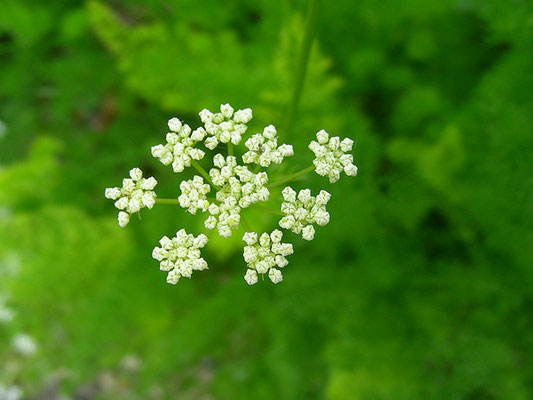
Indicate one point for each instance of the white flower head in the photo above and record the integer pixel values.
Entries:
(331, 156)
(180, 256)
(193, 195)
(24, 344)
(302, 210)
(136, 193)
(226, 126)
(263, 254)
(263, 148)
(180, 147)
(238, 188)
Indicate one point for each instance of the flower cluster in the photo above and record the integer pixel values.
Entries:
(263, 255)
(303, 210)
(136, 193)
(234, 188)
(193, 194)
(226, 126)
(180, 256)
(330, 156)
(238, 189)
(179, 149)
(263, 148)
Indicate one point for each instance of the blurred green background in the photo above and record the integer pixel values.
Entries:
(419, 288)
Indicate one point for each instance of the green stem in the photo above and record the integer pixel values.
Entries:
(266, 209)
(301, 70)
(230, 149)
(167, 201)
(202, 171)
(291, 177)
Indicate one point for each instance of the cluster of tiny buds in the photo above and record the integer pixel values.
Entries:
(263, 148)
(179, 149)
(226, 126)
(263, 254)
(302, 210)
(193, 194)
(238, 189)
(180, 256)
(136, 193)
(330, 156)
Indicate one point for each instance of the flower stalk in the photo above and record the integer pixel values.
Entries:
(292, 177)
(301, 70)
(167, 201)
(268, 210)
(203, 172)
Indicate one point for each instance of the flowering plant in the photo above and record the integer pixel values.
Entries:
(236, 187)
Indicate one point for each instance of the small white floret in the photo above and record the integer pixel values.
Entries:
(174, 124)
(251, 277)
(275, 275)
(112, 193)
(123, 219)
(136, 174)
(308, 233)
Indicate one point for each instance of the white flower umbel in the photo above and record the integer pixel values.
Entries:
(180, 147)
(330, 156)
(24, 344)
(263, 254)
(136, 193)
(303, 210)
(180, 256)
(231, 188)
(263, 148)
(193, 195)
(226, 126)
(239, 188)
